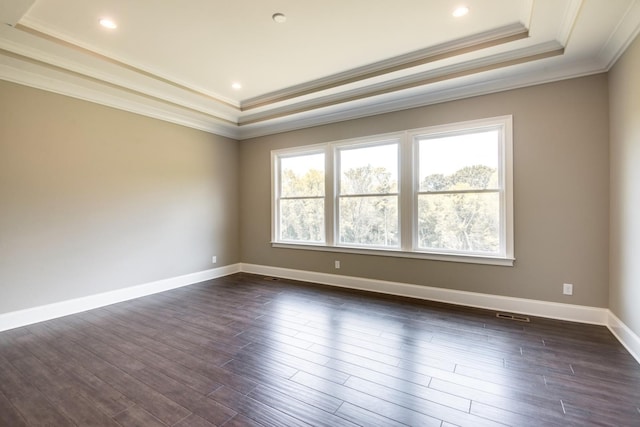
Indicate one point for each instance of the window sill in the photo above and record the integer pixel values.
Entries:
(468, 259)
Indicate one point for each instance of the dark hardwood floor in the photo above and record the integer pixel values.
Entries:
(245, 351)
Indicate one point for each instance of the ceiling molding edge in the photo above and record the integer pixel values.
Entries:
(461, 46)
(81, 91)
(420, 100)
(569, 21)
(528, 54)
(35, 29)
(97, 93)
(53, 65)
(54, 62)
(622, 37)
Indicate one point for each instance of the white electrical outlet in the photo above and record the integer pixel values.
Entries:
(337, 264)
(214, 259)
(567, 289)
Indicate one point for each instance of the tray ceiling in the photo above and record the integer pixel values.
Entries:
(329, 61)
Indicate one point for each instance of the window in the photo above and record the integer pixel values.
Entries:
(368, 195)
(300, 202)
(443, 192)
(459, 192)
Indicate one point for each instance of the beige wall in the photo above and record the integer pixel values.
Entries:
(624, 99)
(94, 199)
(561, 180)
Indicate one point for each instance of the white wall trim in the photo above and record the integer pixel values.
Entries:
(38, 77)
(624, 334)
(29, 316)
(552, 310)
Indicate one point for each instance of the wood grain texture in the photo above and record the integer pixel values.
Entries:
(245, 351)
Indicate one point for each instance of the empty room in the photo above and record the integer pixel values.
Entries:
(286, 213)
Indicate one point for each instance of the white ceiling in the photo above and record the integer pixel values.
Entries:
(331, 60)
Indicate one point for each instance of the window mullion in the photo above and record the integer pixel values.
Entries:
(330, 193)
(406, 200)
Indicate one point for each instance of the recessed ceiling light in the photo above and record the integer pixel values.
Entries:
(108, 23)
(236, 86)
(461, 11)
(280, 18)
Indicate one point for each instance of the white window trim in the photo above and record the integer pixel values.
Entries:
(276, 155)
(396, 138)
(407, 195)
(505, 146)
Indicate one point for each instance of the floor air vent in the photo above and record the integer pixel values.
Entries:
(273, 279)
(516, 317)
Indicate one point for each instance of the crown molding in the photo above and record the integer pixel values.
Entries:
(497, 61)
(569, 20)
(34, 28)
(34, 56)
(15, 69)
(454, 48)
(147, 92)
(620, 39)
(12, 69)
(404, 100)
(127, 78)
(461, 46)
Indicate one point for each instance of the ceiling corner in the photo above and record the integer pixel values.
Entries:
(622, 36)
(11, 12)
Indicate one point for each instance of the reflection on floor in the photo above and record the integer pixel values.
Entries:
(245, 351)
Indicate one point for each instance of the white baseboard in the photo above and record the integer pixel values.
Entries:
(625, 335)
(29, 316)
(552, 310)
(574, 313)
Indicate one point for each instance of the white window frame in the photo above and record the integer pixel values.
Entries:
(337, 169)
(408, 194)
(276, 157)
(505, 178)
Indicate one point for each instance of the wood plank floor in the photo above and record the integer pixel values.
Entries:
(245, 351)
